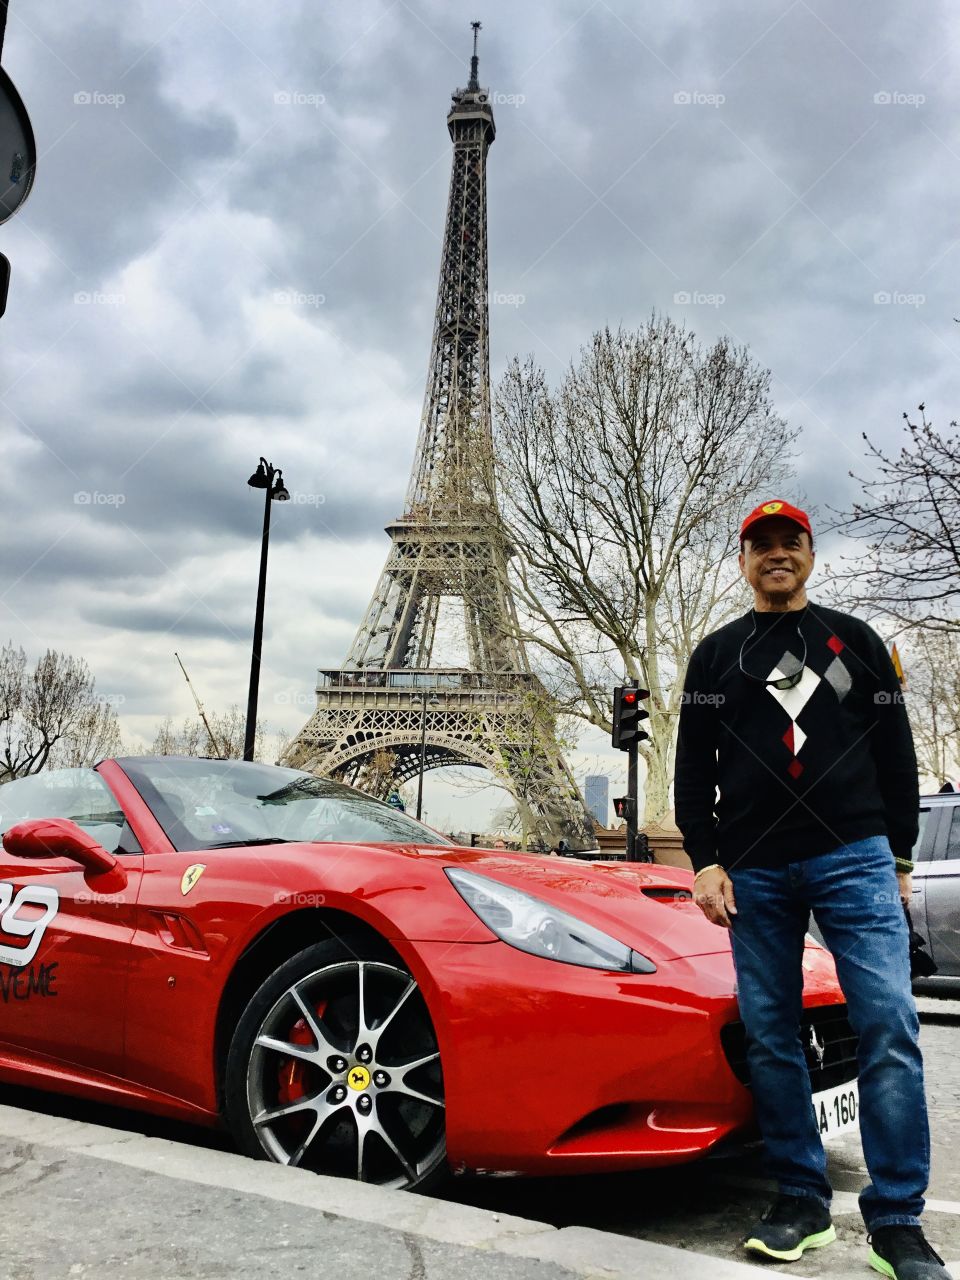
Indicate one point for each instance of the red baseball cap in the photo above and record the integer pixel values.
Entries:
(776, 507)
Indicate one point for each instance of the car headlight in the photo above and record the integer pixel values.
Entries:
(531, 925)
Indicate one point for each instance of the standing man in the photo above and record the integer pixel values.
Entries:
(796, 790)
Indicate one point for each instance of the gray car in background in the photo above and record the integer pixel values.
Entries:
(935, 908)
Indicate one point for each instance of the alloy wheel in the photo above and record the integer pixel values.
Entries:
(344, 1076)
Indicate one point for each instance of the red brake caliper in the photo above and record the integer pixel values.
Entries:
(293, 1072)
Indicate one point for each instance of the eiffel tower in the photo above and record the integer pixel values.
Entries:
(391, 701)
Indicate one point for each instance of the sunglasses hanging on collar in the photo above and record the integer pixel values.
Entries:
(781, 682)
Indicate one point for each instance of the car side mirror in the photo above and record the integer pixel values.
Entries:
(57, 838)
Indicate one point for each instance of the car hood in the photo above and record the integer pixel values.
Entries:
(406, 894)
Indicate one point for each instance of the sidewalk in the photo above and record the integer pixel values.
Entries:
(82, 1200)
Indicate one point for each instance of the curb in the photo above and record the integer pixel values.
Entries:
(579, 1249)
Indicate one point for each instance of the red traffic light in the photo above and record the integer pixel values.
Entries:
(627, 714)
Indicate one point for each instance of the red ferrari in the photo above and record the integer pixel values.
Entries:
(238, 944)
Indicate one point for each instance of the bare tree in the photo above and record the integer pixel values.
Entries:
(13, 669)
(95, 736)
(909, 520)
(376, 775)
(931, 663)
(507, 819)
(622, 492)
(525, 773)
(192, 739)
(50, 715)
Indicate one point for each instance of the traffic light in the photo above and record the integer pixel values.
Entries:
(624, 807)
(627, 714)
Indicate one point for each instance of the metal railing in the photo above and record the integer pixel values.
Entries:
(408, 678)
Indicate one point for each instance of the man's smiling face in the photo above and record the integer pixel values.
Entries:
(777, 559)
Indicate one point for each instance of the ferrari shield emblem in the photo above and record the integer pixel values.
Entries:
(771, 508)
(358, 1079)
(191, 876)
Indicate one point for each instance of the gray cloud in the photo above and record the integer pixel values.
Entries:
(256, 270)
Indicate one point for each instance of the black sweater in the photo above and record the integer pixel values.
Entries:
(800, 771)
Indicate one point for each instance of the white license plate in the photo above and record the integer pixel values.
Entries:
(837, 1110)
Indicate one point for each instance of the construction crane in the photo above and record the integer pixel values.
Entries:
(203, 715)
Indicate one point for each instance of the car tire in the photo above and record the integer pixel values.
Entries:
(334, 1066)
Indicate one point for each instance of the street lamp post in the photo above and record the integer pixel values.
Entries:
(270, 479)
(434, 702)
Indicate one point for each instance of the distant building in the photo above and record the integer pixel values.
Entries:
(596, 793)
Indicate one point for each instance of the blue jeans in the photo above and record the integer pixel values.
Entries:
(854, 897)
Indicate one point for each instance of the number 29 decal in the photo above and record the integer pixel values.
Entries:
(14, 926)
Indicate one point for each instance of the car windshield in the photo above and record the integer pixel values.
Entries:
(208, 804)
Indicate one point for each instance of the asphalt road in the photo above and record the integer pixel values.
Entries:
(706, 1206)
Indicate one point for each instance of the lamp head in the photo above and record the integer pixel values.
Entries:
(260, 479)
(279, 492)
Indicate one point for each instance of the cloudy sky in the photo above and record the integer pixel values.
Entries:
(232, 249)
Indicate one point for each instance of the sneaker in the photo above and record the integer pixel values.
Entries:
(791, 1225)
(903, 1254)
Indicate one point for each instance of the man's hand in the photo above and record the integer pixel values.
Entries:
(905, 881)
(713, 894)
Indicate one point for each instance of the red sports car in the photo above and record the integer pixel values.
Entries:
(232, 943)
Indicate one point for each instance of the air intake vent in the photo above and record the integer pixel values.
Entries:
(829, 1046)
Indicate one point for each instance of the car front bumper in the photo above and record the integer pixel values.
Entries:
(554, 1068)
